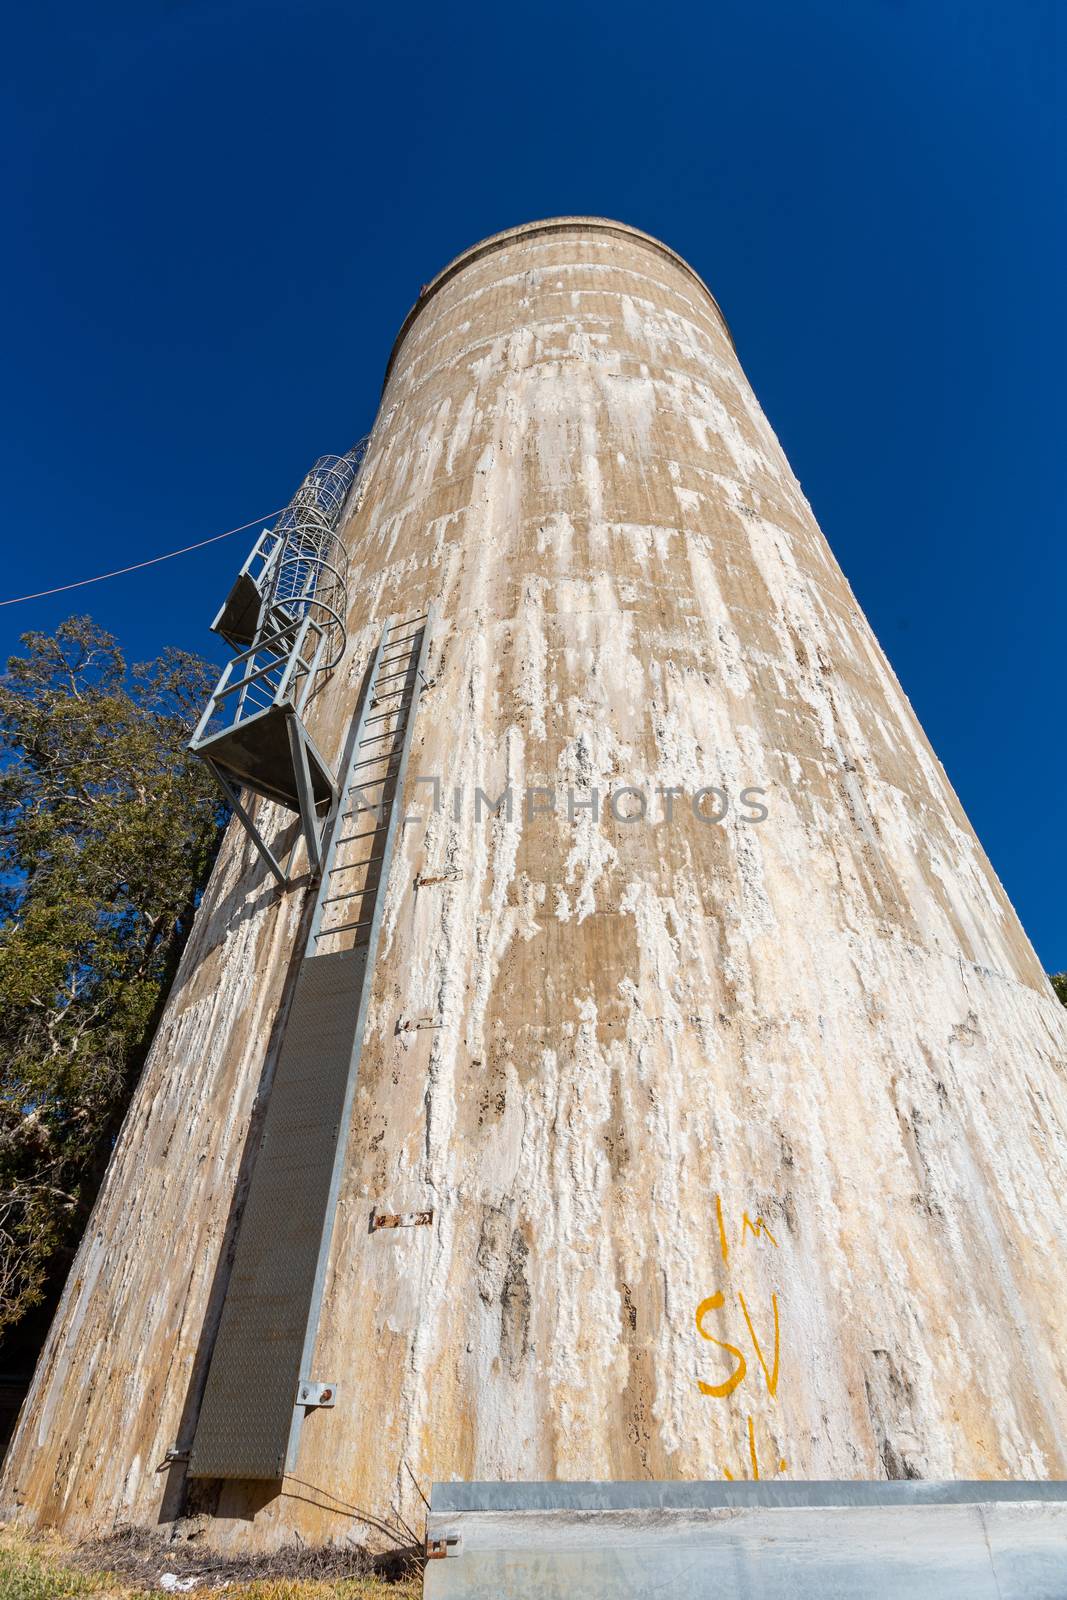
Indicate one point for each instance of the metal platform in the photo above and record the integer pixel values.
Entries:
(258, 753)
(776, 1540)
(252, 733)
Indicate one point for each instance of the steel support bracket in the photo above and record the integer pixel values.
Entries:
(449, 875)
(233, 796)
(311, 1394)
(309, 819)
(439, 1549)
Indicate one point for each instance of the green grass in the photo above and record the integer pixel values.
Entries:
(42, 1569)
(34, 1572)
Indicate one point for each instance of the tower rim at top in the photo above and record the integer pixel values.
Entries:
(547, 225)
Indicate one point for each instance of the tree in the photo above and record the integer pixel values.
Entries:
(108, 830)
(1059, 983)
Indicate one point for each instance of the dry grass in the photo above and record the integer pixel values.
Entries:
(44, 1568)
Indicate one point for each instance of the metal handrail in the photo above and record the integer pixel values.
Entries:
(291, 676)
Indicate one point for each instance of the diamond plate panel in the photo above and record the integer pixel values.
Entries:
(249, 1398)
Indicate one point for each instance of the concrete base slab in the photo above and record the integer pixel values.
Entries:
(748, 1541)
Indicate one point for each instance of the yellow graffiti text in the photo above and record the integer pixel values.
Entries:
(782, 1465)
(756, 1228)
(772, 1376)
(720, 1391)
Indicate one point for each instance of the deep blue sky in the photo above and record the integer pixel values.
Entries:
(219, 213)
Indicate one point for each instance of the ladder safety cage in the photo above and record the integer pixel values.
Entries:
(259, 1386)
(309, 574)
(286, 617)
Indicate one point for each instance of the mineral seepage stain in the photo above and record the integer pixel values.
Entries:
(515, 1306)
(889, 1401)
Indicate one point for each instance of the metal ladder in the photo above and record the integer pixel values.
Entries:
(259, 1386)
(374, 775)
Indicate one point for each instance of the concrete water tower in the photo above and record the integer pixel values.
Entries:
(691, 1107)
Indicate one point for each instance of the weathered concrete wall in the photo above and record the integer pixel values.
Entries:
(829, 1022)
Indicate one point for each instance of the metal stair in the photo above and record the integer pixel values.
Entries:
(239, 616)
(286, 616)
(259, 1385)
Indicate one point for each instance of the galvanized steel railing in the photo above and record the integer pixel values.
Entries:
(279, 670)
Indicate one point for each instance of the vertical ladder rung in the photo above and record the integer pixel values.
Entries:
(344, 927)
(350, 894)
(372, 761)
(354, 866)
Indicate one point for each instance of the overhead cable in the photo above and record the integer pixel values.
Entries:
(80, 583)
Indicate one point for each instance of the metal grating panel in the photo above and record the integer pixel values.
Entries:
(249, 1399)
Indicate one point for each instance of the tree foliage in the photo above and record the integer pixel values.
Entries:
(1059, 983)
(108, 829)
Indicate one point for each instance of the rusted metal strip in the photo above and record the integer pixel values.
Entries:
(400, 1219)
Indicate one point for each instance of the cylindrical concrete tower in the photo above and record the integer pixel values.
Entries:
(745, 1139)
